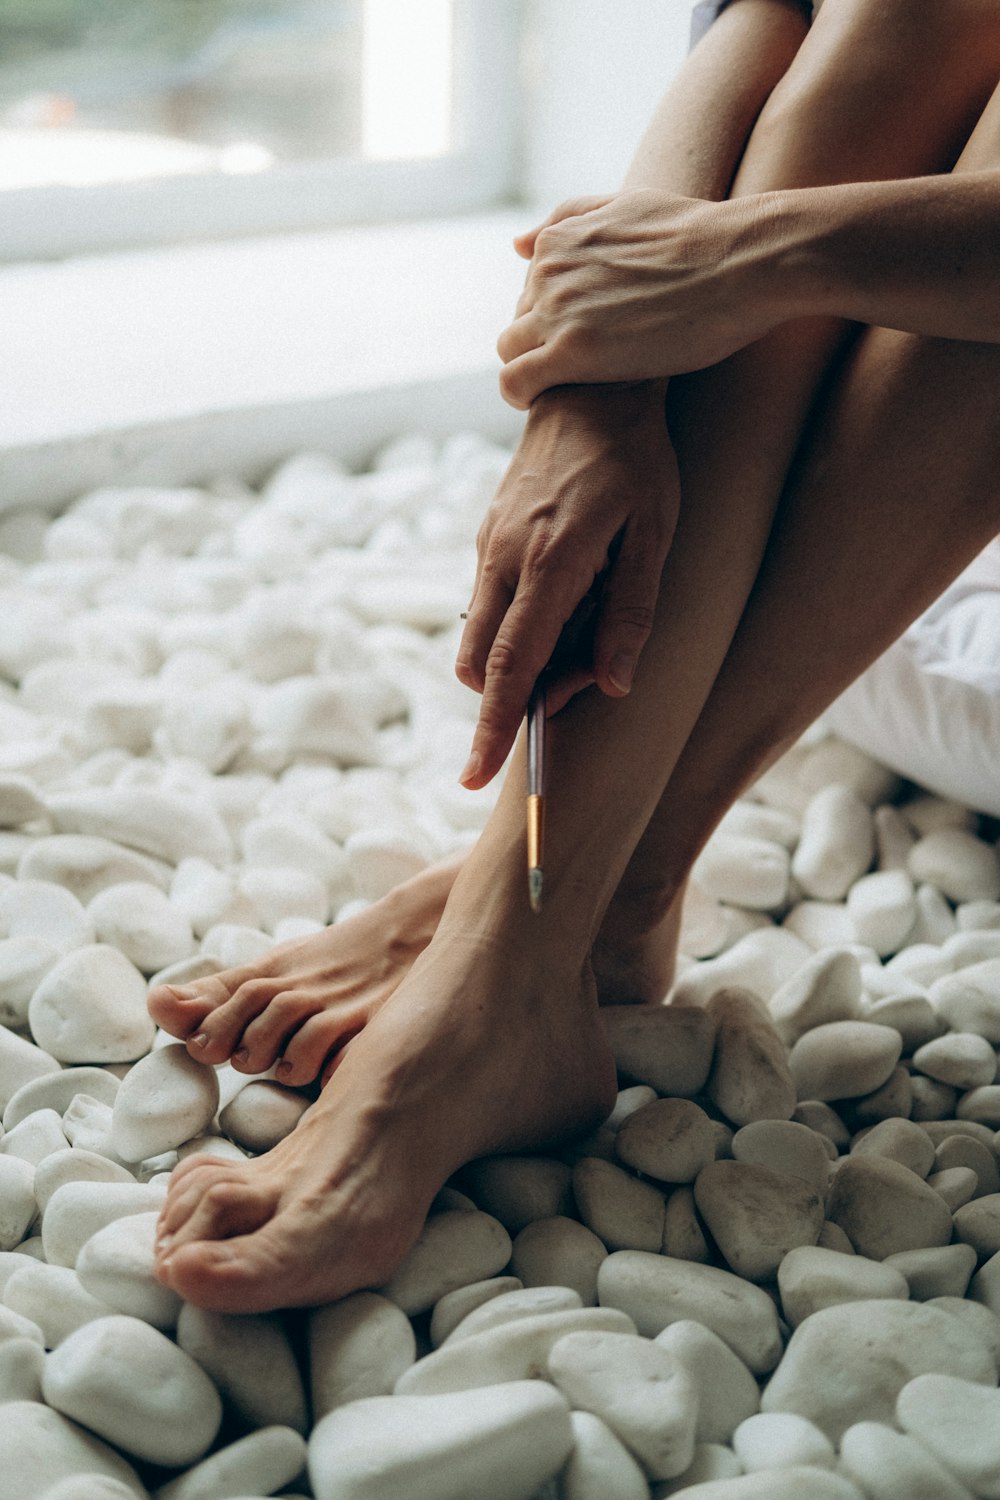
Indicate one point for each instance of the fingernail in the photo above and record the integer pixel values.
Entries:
(472, 767)
(622, 670)
(200, 1040)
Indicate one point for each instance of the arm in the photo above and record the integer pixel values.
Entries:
(648, 283)
(594, 465)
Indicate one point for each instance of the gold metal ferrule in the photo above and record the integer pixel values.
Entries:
(536, 831)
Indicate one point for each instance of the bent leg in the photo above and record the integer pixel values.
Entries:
(493, 1041)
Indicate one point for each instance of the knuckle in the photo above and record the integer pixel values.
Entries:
(631, 615)
(218, 1194)
(502, 662)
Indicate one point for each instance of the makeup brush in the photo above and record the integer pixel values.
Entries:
(536, 795)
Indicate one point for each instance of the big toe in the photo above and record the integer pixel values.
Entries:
(180, 1009)
(251, 1273)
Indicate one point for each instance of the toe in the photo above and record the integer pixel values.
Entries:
(221, 1034)
(267, 1036)
(228, 1206)
(308, 1049)
(180, 1009)
(252, 1273)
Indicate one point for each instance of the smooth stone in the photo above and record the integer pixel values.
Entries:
(519, 1189)
(784, 1146)
(262, 1114)
(761, 961)
(822, 1378)
(498, 1443)
(669, 1139)
(163, 1101)
(975, 1318)
(282, 895)
(74, 1164)
(18, 1205)
(623, 1212)
(752, 820)
(169, 826)
(750, 1078)
(884, 1208)
(116, 1266)
(600, 1466)
(962, 1151)
(794, 1483)
(40, 909)
(837, 843)
(90, 1487)
(913, 1016)
(962, 1059)
(358, 1347)
(970, 1000)
(510, 1307)
(843, 1059)
(978, 916)
(811, 1278)
(935, 919)
(20, 1063)
(727, 1390)
(91, 1008)
(21, 1364)
(87, 1124)
(978, 1224)
(744, 870)
(826, 988)
(931, 1100)
(923, 962)
(280, 842)
(57, 1091)
(453, 1307)
(882, 907)
(780, 1440)
(898, 1140)
(831, 760)
(13, 1325)
(42, 1448)
(85, 865)
(638, 1388)
(559, 1252)
(821, 924)
(894, 838)
(940, 1130)
(832, 1237)
(818, 1116)
(139, 920)
(667, 1047)
(965, 949)
(511, 1351)
(35, 1138)
(683, 1235)
(263, 1462)
(892, 1100)
(77, 1210)
(704, 926)
(250, 1361)
(54, 1298)
(453, 1249)
(24, 962)
(962, 867)
(711, 1461)
(981, 1105)
(941, 1272)
(656, 1290)
(957, 1185)
(888, 1465)
(958, 1423)
(756, 1215)
(170, 1417)
(236, 945)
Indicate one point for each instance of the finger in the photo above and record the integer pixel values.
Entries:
(572, 208)
(560, 692)
(523, 645)
(519, 337)
(628, 606)
(529, 374)
(490, 604)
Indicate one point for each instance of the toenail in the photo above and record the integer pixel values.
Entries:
(200, 1040)
(241, 1054)
(284, 1068)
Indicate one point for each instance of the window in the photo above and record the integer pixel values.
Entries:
(130, 122)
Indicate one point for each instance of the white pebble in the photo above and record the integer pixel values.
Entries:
(600, 1467)
(250, 1360)
(85, 865)
(746, 871)
(169, 826)
(116, 1266)
(883, 907)
(43, 1449)
(777, 1440)
(78, 1209)
(957, 1422)
(17, 1201)
(358, 1347)
(164, 1100)
(54, 1298)
(169, 1417)
(453, 1249)
(960, 865)
(91, 1007)
(837, 843)
(139, 920)
(263, 1462)
(889, 1465)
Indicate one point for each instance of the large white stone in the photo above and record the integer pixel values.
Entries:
(57, 1091)
(78, 1209)
(250, 1360)
(888, 1465)
(116, 1266)
(170, 1416)
(960, 865)
(42, 910)
(559, 1252)
(358, 1347)
(167, 825)
(600, 1467)
(163, 1101)
(837, 843)
(17, 1200)
(91, 1008)
(958, 1422)
(142, 923)
(261, 1463)
(727, 1390)
(780, 1440)
(42, 1448)
(20, 1063)
(499, 1443)
(54, 1298)
(453, 1249)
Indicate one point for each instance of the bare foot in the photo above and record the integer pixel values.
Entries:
(302, 1001)
(487, 1045)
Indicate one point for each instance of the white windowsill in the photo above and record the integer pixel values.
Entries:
(174, 364)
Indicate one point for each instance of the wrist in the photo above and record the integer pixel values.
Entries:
(798, 270)
(623, 404)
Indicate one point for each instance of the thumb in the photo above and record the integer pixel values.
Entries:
(524, 243)
(628, 607)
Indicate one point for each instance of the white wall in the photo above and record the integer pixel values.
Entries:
(596, 69)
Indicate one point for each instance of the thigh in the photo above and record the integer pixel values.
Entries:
(878, 89)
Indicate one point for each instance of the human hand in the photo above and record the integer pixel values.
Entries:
(592, 490)
(637, 286)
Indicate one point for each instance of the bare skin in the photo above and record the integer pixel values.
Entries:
(492, 1041)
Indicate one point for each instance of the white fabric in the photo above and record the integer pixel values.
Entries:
(929, 707)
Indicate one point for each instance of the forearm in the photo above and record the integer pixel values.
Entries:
(919, 254)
